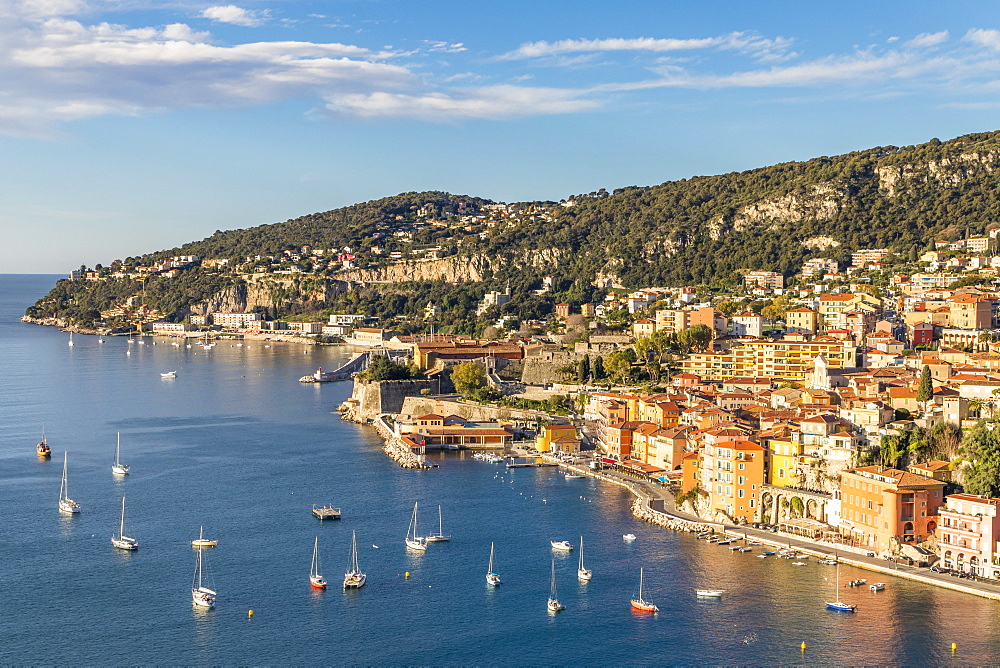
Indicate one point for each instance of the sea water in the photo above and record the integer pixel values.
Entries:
(236, 444)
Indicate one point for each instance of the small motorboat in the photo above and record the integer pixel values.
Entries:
(628, 536)
(710, 593)
(574, 476)
(746, 549)
(727, 541)
(762, 556)
(798, 563)
(878, 586)
(563, 545)
(704, 535)
(828, 562)
(735, 548)
(768, 553)
(168, 374)
(857, 583)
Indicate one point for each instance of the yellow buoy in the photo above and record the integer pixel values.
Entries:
(803, 647)
(407, 575)
(954, 646)
(249, 614)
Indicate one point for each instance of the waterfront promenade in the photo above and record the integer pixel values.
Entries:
(659, 500)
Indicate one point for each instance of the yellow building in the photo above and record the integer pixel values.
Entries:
(802, 320)
(552, 432)
(788, 358)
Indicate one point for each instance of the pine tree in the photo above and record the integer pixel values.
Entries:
(599, 368)
(926, 389)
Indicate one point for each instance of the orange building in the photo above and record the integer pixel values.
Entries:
(732, 472)
(881, 507)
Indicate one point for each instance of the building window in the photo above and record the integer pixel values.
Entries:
(740, 493)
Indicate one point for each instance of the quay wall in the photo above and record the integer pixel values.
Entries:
(369, 399)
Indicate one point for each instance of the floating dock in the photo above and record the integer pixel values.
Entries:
(529, 465)
(326, 512)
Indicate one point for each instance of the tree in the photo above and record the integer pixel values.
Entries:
(599, 372)
(468, 377)
(583, 369)
(619, 364)
(383, 368)
(697, 338)
(926, 388)
(982, 448)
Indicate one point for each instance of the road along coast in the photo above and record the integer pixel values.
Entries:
(649, 501)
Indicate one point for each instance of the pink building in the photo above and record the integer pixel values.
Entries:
(967, 534)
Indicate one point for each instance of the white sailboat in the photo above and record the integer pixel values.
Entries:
(414, 541)
(66, 504)
(354, 578)
(639, 603)
(440, 536)
(316, 581)
(554, 605)
(117, 466)
(200, 595)
(121, 541)
(201, 541)
(582, 572)
(492, 578)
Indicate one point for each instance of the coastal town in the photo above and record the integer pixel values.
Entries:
(845, 427)
(850, 404)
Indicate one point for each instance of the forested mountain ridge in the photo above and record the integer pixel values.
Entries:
(706, 230)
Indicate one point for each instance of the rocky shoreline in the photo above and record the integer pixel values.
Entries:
(393, 447)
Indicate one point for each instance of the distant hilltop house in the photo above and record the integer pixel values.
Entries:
(768, 280)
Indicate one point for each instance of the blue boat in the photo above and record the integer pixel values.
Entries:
(838, 605)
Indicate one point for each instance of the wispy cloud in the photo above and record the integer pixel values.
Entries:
(745, 42)
(235, 15)
(929, 39)
(446, 47)
(487, 102)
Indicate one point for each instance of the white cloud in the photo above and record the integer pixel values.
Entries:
(235, 15)
(745, 42)
(445, 47)
(929, 39)
(987, 38)
(488, 102)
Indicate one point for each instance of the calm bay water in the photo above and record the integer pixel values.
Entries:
(234, 443)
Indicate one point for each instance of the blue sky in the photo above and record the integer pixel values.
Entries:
(128, 126)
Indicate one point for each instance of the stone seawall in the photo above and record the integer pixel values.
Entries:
(370, 399)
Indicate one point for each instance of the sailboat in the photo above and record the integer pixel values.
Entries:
(639, 603)
(354, 578)
(66, 504)
(413, 541)
(838, 604)
(438, 537)
(42, 449)
(122, 541)
(554, 604)
(200, 595)
(492, 578)
(316, 581)
(582, 572)
(117, 466)
(201, 541)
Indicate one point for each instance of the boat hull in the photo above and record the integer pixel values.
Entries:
(555, 606)
(120, 469)
(493, 580)
(437, 539)
(354, 580)
(584, 574)
(317, 582)
(125, 543)
(643, 606)
(418, 545)
(203, 542)
(68, 506)
(203, 598)
(561, 545)
(840, 607)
